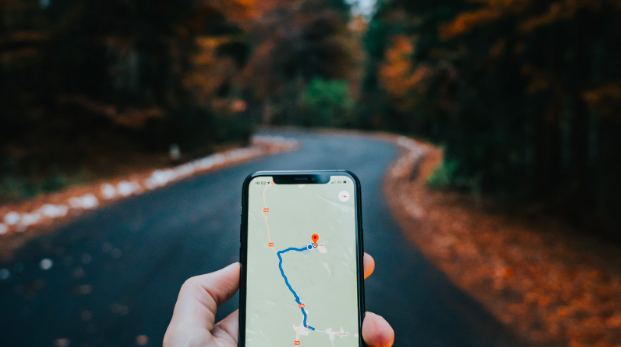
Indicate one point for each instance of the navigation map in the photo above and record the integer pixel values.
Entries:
(302, 275)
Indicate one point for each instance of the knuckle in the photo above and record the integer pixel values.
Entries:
(190, 284)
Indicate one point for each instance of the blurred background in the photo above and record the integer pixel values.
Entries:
(522, 98)
(523, 95)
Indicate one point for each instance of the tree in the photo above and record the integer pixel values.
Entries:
(78, 78)
(519, 92)
(294, 43)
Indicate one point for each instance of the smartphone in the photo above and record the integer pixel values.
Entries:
(302, 275)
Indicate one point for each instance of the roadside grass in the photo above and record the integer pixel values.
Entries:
(443, 175)
(16, 188)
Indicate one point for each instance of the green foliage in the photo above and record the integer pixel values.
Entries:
(327, 103)
(443, 175)
(449, 175)
(53, 183)
(14, 187)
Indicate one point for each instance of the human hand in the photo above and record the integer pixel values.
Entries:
(193, 322)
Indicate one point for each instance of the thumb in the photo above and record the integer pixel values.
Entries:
(200, 297)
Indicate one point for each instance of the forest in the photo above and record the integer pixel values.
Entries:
(523, 96)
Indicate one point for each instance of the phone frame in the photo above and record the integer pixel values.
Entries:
(290, 178)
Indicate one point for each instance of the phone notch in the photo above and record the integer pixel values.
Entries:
(302, 179)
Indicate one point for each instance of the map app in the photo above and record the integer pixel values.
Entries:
(301, 284)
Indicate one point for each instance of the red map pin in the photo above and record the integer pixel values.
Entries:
(315, 237)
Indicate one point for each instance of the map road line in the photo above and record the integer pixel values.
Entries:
(282, 272)
(269, 238)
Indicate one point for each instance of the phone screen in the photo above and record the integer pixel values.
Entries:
(302, 272)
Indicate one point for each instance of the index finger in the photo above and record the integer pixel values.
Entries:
(369, 265)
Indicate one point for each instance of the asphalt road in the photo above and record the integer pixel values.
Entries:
(116, 272)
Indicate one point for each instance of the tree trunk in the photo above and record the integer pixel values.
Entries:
(547, 150)
(608, 194)
(579, 183)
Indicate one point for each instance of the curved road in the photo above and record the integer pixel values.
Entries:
(117, 271)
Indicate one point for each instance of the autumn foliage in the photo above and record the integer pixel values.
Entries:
(82, 83)
(551, 285)
(524, 96)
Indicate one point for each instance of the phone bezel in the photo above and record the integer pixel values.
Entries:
(321, 174)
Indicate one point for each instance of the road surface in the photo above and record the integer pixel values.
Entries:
(116, 272)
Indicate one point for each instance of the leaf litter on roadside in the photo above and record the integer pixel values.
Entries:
(543, 279)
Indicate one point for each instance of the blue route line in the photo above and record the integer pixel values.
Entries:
(297, 298)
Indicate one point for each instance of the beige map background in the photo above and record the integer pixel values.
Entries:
(325, 282)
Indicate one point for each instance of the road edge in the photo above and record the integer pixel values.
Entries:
(22, 223)
(515, 288)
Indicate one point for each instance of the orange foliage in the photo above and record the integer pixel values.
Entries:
(469, 20)
(493, 10)
(397, 74)
(539, 277)
(561, 10)
(358, 25)
(236, 11)
(130, 117)
(606, 99)
(209, 71)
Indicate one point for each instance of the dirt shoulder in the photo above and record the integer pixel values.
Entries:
(544, 280)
